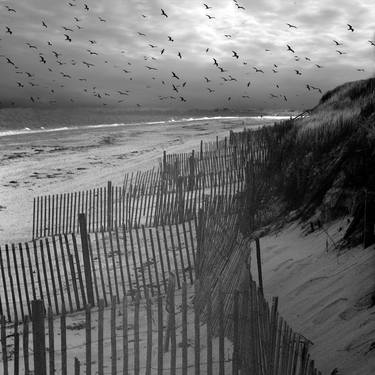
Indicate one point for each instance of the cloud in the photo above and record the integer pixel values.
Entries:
(259, 34)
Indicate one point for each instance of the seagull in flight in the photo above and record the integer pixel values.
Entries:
(372, 43)
(210, 17)
(206, 6)
(10, 9)
(257, 70)
(350, 27)
(174, 75)
(9, 31)
(337, 43)
(290, 48)
(67, 37)
(163, 13)
(235, 54)
(291, 26)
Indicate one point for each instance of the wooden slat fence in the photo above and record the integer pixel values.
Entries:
(158, 335)
(171, 193)
(122, 262)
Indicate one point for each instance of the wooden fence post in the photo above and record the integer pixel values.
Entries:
(109, 205)
(86, 258)
(39, 338)
(4, 345)
(259, 263)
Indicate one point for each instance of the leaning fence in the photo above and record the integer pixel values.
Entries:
(120, 262)
(161, 334)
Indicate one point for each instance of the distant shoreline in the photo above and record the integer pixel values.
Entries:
(42, 129)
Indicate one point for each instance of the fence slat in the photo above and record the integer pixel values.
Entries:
(100, 337)
(136, 334)
(51, 341)
(63, 341)
(149, 335)
(125, 338)
(184, 330)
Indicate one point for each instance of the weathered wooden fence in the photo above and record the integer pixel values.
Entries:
(172, 193)
(162, 334)
(63, 271)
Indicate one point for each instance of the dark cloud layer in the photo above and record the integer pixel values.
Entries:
(124, 64)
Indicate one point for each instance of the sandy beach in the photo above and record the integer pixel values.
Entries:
(41, 163)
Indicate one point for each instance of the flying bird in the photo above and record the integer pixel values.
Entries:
(337, 43)
(86, 7)
(372, 43)
(350, 27)
(290, 48)
(141, 34)
(319, 66)
(340, 52)
(31, 45)
(87, 64)
(298, 72)
(206, 6)
(215, 62)
(179, 55)
(210, 17)
(150, 68)
(163, 13)
(9, 31)
(235, 54)
(174, 75)
(10, 9)
(170, 39)
(257, 70)
(67, 37)
(291, 26)
(42, 59)
(102, 19)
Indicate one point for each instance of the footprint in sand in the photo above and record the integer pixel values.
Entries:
(312, 283)
(362, 303)
(330, 310)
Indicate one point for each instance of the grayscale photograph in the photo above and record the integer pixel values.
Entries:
(187, 187)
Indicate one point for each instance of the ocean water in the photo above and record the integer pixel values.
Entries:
(16, 121)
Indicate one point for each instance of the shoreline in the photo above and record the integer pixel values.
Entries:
(61, 162)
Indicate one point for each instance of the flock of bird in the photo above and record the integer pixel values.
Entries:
(171, 84)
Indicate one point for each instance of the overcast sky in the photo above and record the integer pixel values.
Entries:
(115, 53)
